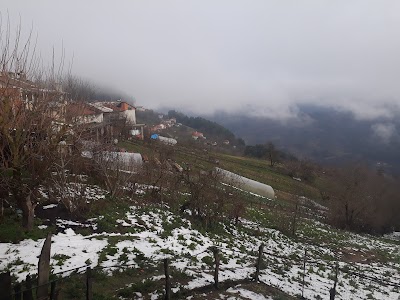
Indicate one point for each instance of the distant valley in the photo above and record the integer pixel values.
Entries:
(323, 134)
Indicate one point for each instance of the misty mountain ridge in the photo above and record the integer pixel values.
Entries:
(323, 134)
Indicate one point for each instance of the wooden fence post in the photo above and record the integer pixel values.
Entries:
(42, 291)
(89, 282)
(259, 261)
(167, 281)
(216, 271)
(53, 295)
(17, 292)
(294, 221)
(332, 291)
(304, 273)
(5, 286)
(28, 293)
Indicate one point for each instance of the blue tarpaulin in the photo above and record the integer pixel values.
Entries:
(154, 136)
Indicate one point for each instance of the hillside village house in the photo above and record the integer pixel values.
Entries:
(164, 125)
(101, 118)
(107, 119)
(84, 113)
(120, 110)
(196, 135)
(25, 92)
(20, 95)
(158, 127)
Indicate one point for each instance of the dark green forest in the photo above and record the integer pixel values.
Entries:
(209, 128)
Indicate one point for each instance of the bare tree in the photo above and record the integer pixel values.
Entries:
(117, 170)
(211, 201)
(360, 199)
(31, 126)
(272, 153)
(303, 169)
(78, 89)
(29, 141)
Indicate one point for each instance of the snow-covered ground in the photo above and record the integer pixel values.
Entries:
(153, 233)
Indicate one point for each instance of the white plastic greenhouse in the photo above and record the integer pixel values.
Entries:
(246, 184)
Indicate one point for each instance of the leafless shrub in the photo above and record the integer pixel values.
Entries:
(210, 201)
(32, 125)
(362, 200)
(303, 169)
(117, 170)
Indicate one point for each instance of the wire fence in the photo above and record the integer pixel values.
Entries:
(25, 291)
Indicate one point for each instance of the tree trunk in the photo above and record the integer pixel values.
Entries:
(28, 213)
(23, 199)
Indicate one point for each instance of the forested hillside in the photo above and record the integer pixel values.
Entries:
(209, 128)
(324, 135)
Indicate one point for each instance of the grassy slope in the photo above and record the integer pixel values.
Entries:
(154, 232)
(322, 241)
(255, 169)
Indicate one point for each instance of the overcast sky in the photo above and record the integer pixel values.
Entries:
(264, 57)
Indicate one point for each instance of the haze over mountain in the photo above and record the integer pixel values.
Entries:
(261, 57)
(319, 78)
(324, 134)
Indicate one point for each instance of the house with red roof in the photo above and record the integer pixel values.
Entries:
(196, 135)
(84, 113)
(118, 110)
(25, 93)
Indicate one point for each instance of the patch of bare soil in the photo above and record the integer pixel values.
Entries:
(357, 256)
(229, 290)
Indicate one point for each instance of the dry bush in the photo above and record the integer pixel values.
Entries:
(162, 180)
(302, 169)
(32, 121)
(210, 201)
(362, 200)
(115, 170)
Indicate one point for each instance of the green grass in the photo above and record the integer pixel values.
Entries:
(260, 170)
(108, 211)
(145, 286)
(252, 168)
(123, 283)
(61, 258)
(135, 147)
(11, 230)
(110, 249)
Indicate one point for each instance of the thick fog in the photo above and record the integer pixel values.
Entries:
(258, 57)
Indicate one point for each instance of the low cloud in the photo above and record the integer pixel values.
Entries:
(384, 131)
(262, 58)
